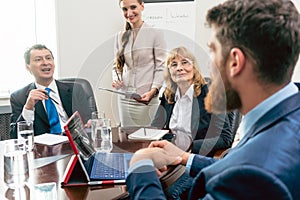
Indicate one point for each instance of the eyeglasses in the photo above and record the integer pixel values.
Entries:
(40, 59)
(184, 63)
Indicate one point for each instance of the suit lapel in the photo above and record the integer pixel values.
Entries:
(40, 111)
(136, 43)
(65, 94)
(195, 117)
(169, 109)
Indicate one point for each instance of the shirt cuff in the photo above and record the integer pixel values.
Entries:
(139, 164)
(28, 115)
(189, 163)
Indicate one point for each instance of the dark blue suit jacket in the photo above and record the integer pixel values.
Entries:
(71, 99)
(215, 129)
(264, 165)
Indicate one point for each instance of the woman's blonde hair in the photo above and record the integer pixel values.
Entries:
(171, 86)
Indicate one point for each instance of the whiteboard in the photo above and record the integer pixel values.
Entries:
(173, 16)
(178, 20)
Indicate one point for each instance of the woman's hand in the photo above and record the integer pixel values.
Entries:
(117, 84)
(147, 96)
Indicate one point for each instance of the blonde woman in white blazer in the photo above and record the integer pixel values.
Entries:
(140, 52)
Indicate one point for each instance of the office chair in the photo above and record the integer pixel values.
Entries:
(85, 84)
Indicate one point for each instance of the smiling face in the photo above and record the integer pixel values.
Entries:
(41, 66)
(132, 11)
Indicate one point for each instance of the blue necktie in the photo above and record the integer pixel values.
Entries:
(52, 115)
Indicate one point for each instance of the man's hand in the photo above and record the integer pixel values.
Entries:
(159, 156)
(88, 124)
(171, 150)
(35, 96)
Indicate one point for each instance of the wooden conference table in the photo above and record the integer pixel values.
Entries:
(48, 164)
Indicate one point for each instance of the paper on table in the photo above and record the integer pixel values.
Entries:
(147, 134)
(50, 139)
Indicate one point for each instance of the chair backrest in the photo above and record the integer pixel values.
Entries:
(87, 88)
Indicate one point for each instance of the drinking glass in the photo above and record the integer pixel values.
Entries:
(16, 171)
(98, 115)
(25, 133)
(101, 135)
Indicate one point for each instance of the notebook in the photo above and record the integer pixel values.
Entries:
(99, 168)
(147, 134)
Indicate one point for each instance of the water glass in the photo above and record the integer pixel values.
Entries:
(25, 133)
(16, 171)
(98, 115)
(102, 135)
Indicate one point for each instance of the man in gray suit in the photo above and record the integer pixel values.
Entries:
(28, 103)
(254, 46)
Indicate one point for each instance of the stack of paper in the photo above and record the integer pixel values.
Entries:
(50, 139)
(147, 134)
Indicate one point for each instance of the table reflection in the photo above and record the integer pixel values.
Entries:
(48, 163)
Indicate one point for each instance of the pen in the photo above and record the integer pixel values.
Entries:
(52, 99)
(117, 74)
(105, 182)
(145, 132)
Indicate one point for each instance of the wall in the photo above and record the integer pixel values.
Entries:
(85, 31)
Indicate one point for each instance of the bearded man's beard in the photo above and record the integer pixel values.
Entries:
(221, 99)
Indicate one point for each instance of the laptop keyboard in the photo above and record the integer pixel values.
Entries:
(109, 166)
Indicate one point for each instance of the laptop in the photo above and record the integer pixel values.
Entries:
(100, 168)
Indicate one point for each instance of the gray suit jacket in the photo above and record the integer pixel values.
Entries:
(72, 100)
(144, 59)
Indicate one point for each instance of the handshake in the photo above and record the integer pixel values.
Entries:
(162, 153)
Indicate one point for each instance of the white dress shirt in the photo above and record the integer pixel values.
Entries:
(180, 122)
(28, 115)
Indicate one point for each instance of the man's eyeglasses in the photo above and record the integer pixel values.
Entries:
(40, 59)
(184, 63)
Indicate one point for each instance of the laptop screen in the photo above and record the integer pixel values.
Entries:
(80, 141)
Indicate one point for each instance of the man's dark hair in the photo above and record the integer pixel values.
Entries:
(267, 31)
(36, 46)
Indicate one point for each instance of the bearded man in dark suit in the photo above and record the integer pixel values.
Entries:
(254, 47)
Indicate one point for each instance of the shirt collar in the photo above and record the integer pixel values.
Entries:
(189, 93)
(52, 86)
(257, 112)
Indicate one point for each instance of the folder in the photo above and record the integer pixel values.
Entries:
(130, 95)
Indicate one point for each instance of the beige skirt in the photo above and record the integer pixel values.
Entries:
(133, 113)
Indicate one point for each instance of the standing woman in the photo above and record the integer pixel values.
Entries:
(138, 66)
